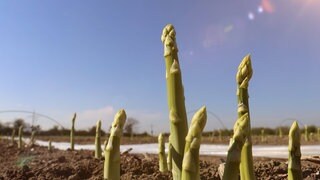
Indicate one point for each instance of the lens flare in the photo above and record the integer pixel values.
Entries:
(267, 6)
(250, 16)
(260, 9)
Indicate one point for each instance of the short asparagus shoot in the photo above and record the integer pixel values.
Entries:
(169, 157)
(190, 164)
(240, 129)
(162, 154)
(20, 137)
(98, 151)
(32, 139)
(72, 132)
(294, 163)
(49, 146)
(13, 136)
(112, 152)
(262, 135)
(306, 133)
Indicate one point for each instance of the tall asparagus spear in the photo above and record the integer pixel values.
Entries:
(240, 129)
(243, 77)
(190, 165)
(112, 151)
(72, 132)
(162, 154)
(175, 93)
(294, 163)
(98, 152)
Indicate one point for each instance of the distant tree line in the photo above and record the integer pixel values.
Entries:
(130, 130)
(6, 129)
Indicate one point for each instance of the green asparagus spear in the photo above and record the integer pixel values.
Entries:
(112, 151)
(294, 163)
(175, 93)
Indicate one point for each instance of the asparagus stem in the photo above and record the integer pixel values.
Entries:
(262, 135)
(49, 146)
(175, 93)
(280, 132)
(306, 133)
(190, 165)
(294, 163)
(231, 171)
(20, 137)
(98, 151)
(13, 135)
(112, 151)
(32, 139)
(162, 154)
(72, 132)
(169, 158)
(243, 77)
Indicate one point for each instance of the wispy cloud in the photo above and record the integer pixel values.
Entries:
(214, 35)
(88, 118)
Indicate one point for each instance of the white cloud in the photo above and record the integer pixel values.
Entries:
(88, 118)
(147, 119)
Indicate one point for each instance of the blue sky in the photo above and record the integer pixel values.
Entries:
(95, 57)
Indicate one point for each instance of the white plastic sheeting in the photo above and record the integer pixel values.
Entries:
(205, 149)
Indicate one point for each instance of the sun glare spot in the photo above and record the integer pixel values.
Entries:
(250, 16)
(260, 9)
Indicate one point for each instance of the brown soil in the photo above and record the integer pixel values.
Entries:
(38, 163)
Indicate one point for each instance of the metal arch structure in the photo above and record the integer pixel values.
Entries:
(291, 120)
(34, 113)
(212, 114)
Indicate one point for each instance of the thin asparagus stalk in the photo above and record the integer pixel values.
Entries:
(162, 154)
(20, 137)
(50, 146)
(112, 151)
(231, 170)
(190, 165)
(280, 132)
(98, 152)
(175, 93)
(105, 143)
(243, 77)
(262, 135)
(13, 135)
(294, 163)
(32, 139)
(169, 158)
(306, 133)
(72, 132)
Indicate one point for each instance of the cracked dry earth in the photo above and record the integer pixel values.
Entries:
(37, 163)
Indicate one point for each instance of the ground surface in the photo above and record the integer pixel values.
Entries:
(38, 163)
